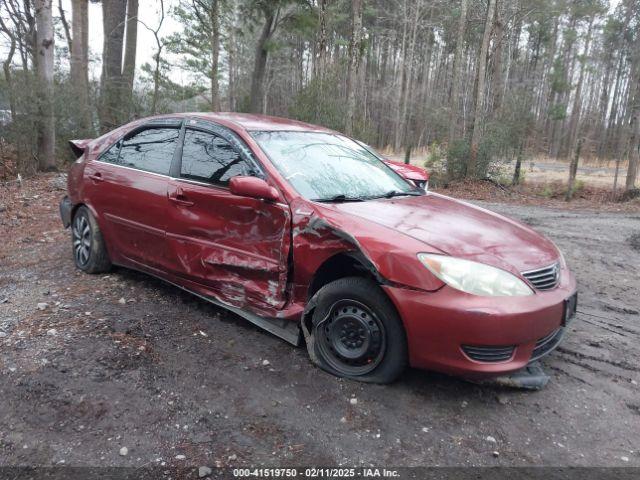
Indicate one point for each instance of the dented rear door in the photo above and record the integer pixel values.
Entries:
(236, 247)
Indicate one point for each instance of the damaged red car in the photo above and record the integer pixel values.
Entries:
(309, 235)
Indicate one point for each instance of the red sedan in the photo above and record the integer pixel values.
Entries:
(416, 175)
(305, 233)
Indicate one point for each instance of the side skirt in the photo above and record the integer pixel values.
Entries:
(285, 329)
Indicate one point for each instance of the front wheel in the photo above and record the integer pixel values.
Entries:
(89, 251)
(356, 332)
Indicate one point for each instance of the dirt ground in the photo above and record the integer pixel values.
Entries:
(123, 360)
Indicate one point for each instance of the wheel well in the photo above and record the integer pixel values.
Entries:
(339, 266)
(74, 209)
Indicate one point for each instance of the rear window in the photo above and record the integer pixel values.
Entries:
(150, 150)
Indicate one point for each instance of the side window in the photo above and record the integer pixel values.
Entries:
(111, 155)
(150, 150)
(209, 158)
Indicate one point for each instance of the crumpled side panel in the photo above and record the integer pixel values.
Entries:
(319, 235)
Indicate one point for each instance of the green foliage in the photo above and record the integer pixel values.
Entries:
(315, 104)
(578, 187)
(193, 42)
(548, 191)
(67, 122)
(558, 111)
(172, 97)
(586, 9)
(541, 40)
(20, 132)
(503, 174)
(501, 140)
(457, 157)
(436, 164)
(559, 83)
(318, 103)
(295, 16)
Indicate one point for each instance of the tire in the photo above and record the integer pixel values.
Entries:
(89, 250)
(356, 332)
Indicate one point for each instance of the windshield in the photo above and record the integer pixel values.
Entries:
(330, 167)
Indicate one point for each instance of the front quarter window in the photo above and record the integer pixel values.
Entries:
(325, 166)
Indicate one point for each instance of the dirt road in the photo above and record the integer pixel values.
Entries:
(123, 360)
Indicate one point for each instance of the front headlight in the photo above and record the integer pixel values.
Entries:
(475, 278)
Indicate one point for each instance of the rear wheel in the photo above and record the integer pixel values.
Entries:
(89, 251)
(356, 332)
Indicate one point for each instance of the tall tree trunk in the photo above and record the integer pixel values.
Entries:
(6, 67)
(496, 77)
(574, 124)
(79, 61)
(214, 17)
(44, 69)
(260, 61)
(111, 84)
(603, 105)
(634, 140)
(454, 99)
(480, 91)
(613, 112)
(355, 51)
(402, 77)
(573, 169)
(129, 67)
(407, 89)
(559, 98)
(232, 55)
(65, 25)
(518, 167)
(321, 41)
(548, 92)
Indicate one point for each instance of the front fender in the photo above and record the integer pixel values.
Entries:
(318, 235)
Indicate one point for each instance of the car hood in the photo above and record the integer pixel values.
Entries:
(456, 228)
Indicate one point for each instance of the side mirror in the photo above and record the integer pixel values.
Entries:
(253, 187)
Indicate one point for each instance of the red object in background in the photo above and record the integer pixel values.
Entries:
(233, 229)
(416, 174)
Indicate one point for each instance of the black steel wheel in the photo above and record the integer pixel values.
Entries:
(356, 332)
(351, 338)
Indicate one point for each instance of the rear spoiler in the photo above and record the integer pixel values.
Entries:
(79, 146)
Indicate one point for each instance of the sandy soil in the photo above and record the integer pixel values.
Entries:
(123, 360)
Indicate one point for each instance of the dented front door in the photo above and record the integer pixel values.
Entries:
(236, 247)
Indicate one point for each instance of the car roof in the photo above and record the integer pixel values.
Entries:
(254, 122)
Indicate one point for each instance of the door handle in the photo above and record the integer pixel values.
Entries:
(96, 177)
(181, 201)
(179, 198)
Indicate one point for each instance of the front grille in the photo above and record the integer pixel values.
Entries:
(546, 344)
(488, 354)
(544, 278)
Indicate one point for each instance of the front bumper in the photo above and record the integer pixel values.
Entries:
(439, 324)
(65, 211)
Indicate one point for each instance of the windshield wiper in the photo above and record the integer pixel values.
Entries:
(339, 198)
(396, 193)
